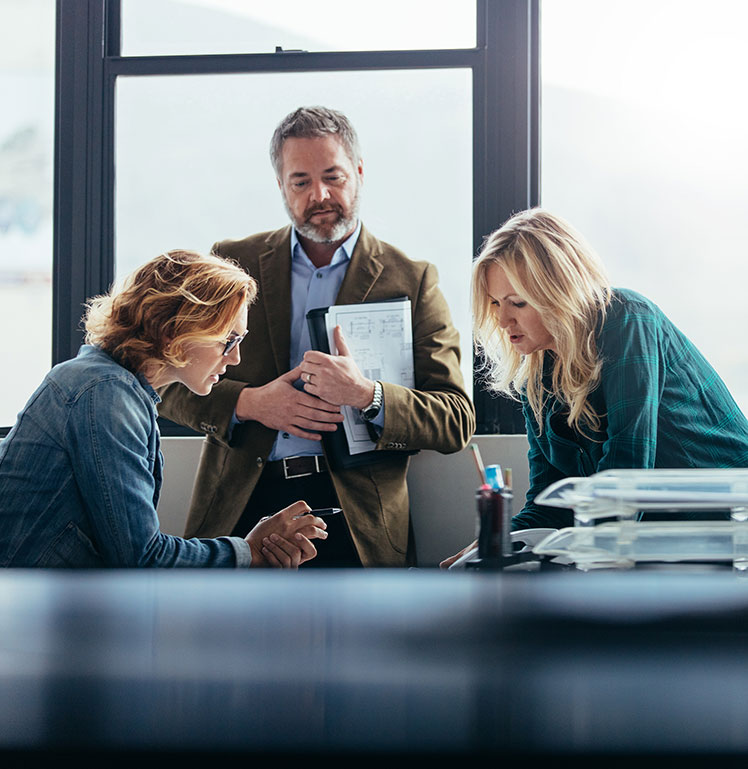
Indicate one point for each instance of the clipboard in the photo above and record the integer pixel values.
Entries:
(336, 444)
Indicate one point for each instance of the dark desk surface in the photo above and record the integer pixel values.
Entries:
(389, 661)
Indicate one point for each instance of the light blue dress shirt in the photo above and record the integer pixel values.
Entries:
(311, 287)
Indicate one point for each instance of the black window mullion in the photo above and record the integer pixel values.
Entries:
(79, 259)
(113, 28)
(506, 151)
(219, 64)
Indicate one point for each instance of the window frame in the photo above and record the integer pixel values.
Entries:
(506, 92)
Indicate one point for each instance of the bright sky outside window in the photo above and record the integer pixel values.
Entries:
(168, 27)
(643, 150)
(27, 47)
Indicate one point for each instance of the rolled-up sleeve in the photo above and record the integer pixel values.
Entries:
(542, 475)
(632, 382)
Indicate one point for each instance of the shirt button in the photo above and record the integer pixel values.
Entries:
(285, 435)
(319, 274)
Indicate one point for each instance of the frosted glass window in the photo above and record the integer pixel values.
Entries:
(27, 50)
(169, 27)
(192, 163)
(644, 150)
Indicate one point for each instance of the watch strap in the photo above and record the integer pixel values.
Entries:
(371, 411)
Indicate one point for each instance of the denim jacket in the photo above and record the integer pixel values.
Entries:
(80, 476)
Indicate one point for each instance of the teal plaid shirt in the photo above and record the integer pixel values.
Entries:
(661, 405)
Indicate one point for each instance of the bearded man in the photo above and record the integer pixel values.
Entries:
(265, 420)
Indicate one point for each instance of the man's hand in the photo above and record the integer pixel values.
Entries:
(280, 406)
(336, 378)
(283, 540)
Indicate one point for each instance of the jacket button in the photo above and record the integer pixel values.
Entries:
(259, 461)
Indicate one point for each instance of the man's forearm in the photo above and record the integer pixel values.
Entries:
(210, 414)
(420, 419)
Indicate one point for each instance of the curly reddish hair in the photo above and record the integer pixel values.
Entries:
(174, 299)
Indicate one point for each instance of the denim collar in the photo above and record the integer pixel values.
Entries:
(90, 349)
(152, 394)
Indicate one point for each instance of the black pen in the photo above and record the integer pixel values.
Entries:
(322, 512)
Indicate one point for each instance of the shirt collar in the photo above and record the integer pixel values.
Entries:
(89, 350)
(343, 253)
(152, 394)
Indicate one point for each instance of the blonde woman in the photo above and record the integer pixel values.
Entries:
(605, 378)
(80, 472)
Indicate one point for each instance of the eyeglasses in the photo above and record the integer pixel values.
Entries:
(232, 342)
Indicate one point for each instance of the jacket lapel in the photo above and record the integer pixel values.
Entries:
(275, 295)
(275, 286)
(363, 271)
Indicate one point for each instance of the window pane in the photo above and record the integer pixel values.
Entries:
(643, 149)
(170, 27)
(27, 48)
(193, 167)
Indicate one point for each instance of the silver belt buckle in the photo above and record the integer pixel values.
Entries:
(288, 477)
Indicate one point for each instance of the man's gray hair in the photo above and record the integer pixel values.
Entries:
(310, 123)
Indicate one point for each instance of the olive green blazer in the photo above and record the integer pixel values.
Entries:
(437, 414)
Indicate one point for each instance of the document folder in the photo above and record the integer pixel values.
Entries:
(375, 330)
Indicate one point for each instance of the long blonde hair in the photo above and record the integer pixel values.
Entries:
(172, 300)
(558, 274)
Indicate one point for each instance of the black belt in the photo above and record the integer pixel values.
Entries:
(296, 467)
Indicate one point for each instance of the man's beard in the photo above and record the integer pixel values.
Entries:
(327, 233)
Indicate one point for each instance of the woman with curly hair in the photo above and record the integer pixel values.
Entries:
(606, 380)
(81, 470)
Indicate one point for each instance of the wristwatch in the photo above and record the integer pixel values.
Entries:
(371, 411)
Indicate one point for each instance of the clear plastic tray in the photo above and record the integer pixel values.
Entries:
(623, 544)
(625, 493)
(619, 496)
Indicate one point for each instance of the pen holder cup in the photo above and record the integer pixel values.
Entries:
(494, 517)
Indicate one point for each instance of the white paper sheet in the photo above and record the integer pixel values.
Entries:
(380, 338)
